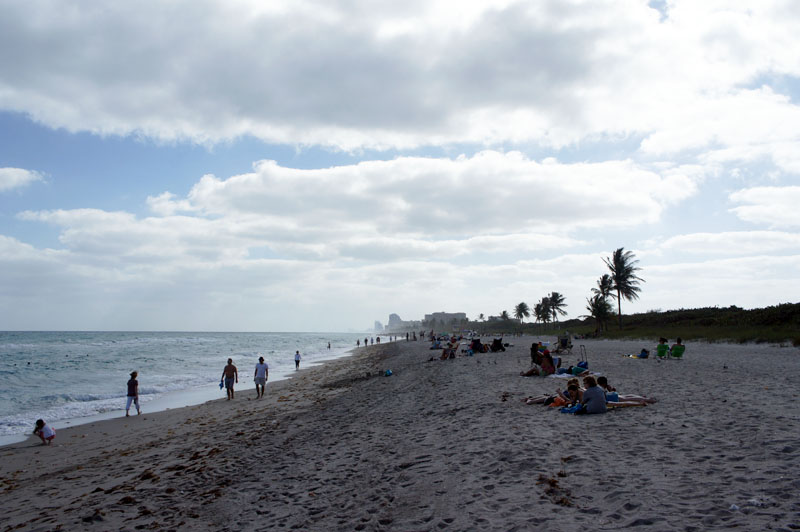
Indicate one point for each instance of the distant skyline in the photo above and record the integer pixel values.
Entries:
(316, 166)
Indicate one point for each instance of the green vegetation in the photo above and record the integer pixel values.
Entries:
(776, 324)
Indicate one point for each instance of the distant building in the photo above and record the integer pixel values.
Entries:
(378, 326)
(445, 319)
(396, 324)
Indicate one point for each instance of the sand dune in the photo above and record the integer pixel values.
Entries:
(439, 445)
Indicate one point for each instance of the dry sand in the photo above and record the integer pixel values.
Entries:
(440, 445)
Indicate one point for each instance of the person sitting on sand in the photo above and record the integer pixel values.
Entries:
(574, 394)
(44, 431)
(231, 375)
(546, 368)
(594, 398)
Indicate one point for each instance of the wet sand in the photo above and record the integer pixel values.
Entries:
(439, 445)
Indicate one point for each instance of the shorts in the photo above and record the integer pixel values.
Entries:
(134, 400)
(229, 382)
(260, 380)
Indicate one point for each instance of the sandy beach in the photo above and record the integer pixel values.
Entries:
(439, 445)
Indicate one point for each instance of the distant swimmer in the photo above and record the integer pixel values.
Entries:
(133, 394)
(261, 376)
(231, 375)
(296, 360)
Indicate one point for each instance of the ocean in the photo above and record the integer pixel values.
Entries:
(69, 377)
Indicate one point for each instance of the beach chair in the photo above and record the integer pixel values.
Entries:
(564, 345)
(662, 350)
(450, 351)
(677, 351)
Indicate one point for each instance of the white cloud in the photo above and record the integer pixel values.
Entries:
(773, 206)
(409, 207)
(753, 281)
(733, 243)
(365, 75)
(11, 178)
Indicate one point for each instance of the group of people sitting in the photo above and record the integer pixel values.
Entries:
(543, 363)
(663, 350)
(594, 397)
(449, 346)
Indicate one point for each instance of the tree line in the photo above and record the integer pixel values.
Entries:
(622, 282)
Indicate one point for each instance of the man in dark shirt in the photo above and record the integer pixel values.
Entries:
(230, 375)
(133, 394)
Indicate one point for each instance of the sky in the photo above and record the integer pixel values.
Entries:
(306, 165)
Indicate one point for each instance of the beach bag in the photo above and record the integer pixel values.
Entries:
(583, 364)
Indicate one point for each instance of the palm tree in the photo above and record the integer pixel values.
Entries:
(521, 311)
(600, 309)
(504, 316)
(605, 286)
(557, 305)
(480, 317)
(542, 310)
(537, 311)
(623, 274)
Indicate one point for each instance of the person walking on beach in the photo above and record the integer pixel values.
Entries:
(296, 360)
(133, 394)
(231, 375)
(261, 376)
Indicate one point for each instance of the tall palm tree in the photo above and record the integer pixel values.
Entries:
(605, 287)
(557, 304)
(480, 317)
(504, 316)
(537, 311)
(543, 308)
(622, 265)
(600, 309)
(521, 311)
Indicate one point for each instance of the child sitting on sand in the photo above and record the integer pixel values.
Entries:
(44, 431)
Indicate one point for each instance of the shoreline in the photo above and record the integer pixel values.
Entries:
(170, 400)
(445, 445)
